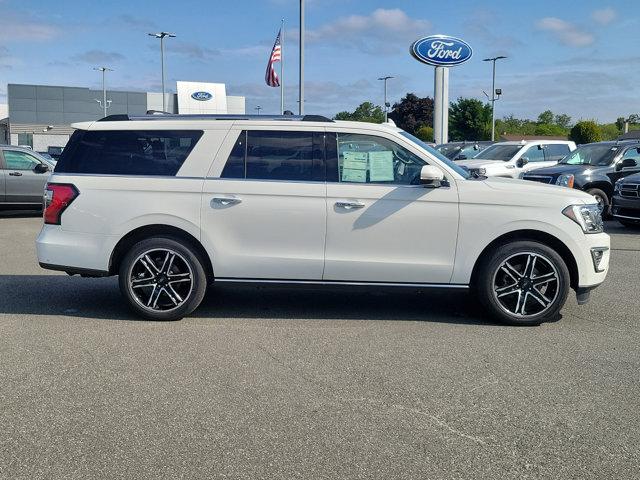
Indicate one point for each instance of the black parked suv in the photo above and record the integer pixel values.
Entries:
(594, 168)
(462, 150)
(626, 201)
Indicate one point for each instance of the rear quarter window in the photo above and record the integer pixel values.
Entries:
(127, 152)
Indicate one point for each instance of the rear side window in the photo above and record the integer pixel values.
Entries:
(277, 155)
(556, 152)
(127, 152)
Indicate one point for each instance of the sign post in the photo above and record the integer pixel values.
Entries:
(442, 52)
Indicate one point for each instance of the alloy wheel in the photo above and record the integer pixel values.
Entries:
(160, 280)
(526, 284)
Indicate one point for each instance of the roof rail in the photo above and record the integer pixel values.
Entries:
(158, 116)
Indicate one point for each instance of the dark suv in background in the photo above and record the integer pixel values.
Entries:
(462, 150)
(594, 168)
(626, 201)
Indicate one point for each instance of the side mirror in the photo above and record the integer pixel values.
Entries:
(41, 168)
(627, 163)
(522, 161)
(431, 177)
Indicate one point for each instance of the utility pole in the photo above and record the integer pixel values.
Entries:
(104, 103)
(495, 95)
(301, 79)
(161, 36)
(258, 108)
(386, 104)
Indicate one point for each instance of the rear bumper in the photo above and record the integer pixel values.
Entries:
(74, 252)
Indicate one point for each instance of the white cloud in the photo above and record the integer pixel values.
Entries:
(97, 56)
(17, 28)
(382, 31)
(604, 16)
(566, 32)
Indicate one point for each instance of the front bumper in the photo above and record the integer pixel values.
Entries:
(626, 208)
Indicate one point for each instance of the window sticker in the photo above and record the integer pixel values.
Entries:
(381, 166)
(354, 167)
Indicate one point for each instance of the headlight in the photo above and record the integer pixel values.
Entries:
(482, 171)
(587, 216)
(565, 181)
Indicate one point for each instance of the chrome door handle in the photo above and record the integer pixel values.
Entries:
(349, 205)
(225, 201)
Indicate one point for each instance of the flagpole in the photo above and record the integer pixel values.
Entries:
(282, 67)
(301, 81)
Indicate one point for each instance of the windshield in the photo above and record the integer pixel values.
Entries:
(591, 155)
(459, 170)
(449, 151)
(499, 152)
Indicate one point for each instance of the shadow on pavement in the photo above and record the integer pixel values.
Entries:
(100, 299)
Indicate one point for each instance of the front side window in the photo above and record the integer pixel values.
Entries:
(632, 153)
(556, 152)
(127, 152)
(15, 160)
(276, 155)
(535, 153)
(594, 154)
(371, 159)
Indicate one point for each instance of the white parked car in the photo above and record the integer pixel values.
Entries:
(171, 203)
(511, 159)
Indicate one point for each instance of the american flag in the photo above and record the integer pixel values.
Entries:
(271, 77)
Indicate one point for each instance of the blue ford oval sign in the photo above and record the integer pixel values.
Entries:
(441, 50)
(201, 96)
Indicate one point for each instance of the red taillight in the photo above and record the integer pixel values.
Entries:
(57, 196)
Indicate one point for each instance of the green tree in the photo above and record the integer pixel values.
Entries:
(586, 131)
(425, 133)
(469, 119)
(609, 131)
(550, 130)
(412, 112)
(546, 117)
(563, 120)
(366, 112)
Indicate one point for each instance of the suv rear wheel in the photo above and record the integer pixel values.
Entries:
(523, 283)
(162, 279)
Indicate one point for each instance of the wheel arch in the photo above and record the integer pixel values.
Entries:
(534, 235)
(147, 231)
(603, 185)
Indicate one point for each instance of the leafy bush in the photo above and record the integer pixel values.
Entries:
(586, 131)
(425, 133)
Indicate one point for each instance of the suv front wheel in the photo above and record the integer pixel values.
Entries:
(523, 283)
(162, 279)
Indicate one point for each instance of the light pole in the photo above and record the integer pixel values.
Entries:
(104, 103)
(258, 108)
(301, 76)
(386, 104)
(495, 95)
(161, 36)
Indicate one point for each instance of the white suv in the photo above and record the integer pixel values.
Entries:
(171, 203)
(512, 159)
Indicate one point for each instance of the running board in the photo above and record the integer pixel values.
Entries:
(339, 282)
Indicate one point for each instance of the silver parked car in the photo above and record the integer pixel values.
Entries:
(23, 174)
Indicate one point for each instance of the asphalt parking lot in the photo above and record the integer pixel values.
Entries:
(280, 383)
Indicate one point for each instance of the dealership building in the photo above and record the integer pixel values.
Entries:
(40, 116)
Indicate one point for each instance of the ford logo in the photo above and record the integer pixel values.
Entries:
(201, 96)
(441, 51)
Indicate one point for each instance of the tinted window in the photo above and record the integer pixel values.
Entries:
(15, 160)
(127, 152)
(432, 151)
(276, 155)
(556, 152)
(499, 152)
(632, 153)
(534, 154)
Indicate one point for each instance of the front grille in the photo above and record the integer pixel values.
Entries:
(631, 190)
(538, 178)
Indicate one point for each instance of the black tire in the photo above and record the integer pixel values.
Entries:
(603, 199)
(492, 280)
(175, 298)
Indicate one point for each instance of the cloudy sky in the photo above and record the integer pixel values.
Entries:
(581, 58)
